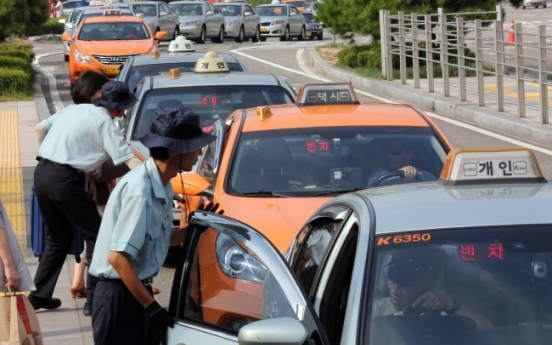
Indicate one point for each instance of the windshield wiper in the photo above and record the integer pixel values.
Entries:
(337, 191)
(264, 193)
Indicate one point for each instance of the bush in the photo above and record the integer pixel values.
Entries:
(13, 81)
(15, 63)
(51, 27)
(18, 49)
(20, 54)
(361, 56)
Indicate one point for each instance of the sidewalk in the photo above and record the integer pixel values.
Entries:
(67, 325)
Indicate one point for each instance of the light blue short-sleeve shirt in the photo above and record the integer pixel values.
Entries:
(83, 136)
(137, 221)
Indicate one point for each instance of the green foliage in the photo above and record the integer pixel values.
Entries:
(15, 63)
(16, 73)
(13, 81)
(336, 14)
(16, 16)
(52, 26)
(255, 3)
(361, 56)
(17, 48)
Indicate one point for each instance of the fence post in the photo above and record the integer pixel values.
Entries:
(388, 40)
(499, 13)
(461, 60)
(543, 74)
(499, 63)
(444, 50)
(383, 43)
(402, 47)
(429, 53)
(520, 73)
(479, 63)
(415, 54)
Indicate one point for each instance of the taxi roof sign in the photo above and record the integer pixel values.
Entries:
(180, 44)
(112, 12)
(174, 73)
(211, 63)
(263, 113)
(327, 93)
(501, 165)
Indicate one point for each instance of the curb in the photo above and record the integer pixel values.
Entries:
(484, 118)
(40, 102)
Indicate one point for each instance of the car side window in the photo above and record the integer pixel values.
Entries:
(165, 8)
(207, 164)
(249, 9)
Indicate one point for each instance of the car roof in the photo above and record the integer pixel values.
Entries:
(186, 2)
(433, 205)
(273, 5)
(108, 19)
(207, 79)
(146, 2)
(367, 114)
(141, 60)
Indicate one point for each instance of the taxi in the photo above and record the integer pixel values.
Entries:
(107, 41)
(180, 54)
(461, 260)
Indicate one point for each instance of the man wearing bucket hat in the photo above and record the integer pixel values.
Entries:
(136, 233)
(86, 138)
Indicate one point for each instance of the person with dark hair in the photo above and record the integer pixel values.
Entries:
(129, 253)
(88, 86)
(87, 138)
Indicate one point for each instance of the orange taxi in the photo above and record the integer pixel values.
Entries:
(105, 42)
(273, 166)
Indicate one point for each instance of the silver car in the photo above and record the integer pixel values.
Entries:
(314, 27)
(241, 20)
(199, 20)
(461, 261)
(69, 7)
(535, 3)
(159, 17)
(281, 20)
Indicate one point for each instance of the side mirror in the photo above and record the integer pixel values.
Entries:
(69, 26)
(209, 13)
(281, 330)
(194, 184)
(66, 37)
(61, 21)
(248, 13)
(161, 35)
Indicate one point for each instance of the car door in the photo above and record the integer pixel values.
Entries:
(295, 20)
(209, 20)
(251, 21)
(232, 286)
(218, 18)
(167, 18)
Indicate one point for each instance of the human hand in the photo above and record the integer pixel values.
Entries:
(12, 277)
(210, 207)
(410, 172)
(432, 301)
(159, 322)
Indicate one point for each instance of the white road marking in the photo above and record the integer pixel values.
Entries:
(58, 105)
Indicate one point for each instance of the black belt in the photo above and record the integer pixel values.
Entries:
(146, 282)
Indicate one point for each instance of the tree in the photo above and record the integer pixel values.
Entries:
(16, 16)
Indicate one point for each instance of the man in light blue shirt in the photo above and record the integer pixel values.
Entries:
(136, 233)
(81, 139)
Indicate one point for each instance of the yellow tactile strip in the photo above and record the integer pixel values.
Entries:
(11, 175)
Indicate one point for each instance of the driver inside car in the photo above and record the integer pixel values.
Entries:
(398, 156)
(412, 280)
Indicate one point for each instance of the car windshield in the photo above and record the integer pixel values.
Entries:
(146, 10)
(229, 10)
(114, 31)
(492, 285)
(297, 3)
(271, 11)
(210, 102)
(331, 160)
(139, 72)
(309, 18)
(187, 9)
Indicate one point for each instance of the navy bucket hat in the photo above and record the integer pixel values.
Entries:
(176, 129)
(116, 96)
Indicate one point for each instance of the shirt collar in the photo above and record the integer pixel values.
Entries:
(160, 191)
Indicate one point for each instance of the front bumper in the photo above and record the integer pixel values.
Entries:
(273, 30)
(313, 32)
(232, 31)
(190, 31)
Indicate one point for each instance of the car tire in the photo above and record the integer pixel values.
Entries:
(257, 37)
(523, 7)
(66, 58)
(536, 6)
(202, 36)
(239, 39)
(286, 36)
(220, 36)
(301, 36)
(320, 36)
(176, 33)
(263, 39)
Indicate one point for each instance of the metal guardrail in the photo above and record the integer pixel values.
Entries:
(454, 35)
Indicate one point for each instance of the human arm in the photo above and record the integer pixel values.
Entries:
(120, 261)
(10, 272)
(41, 132)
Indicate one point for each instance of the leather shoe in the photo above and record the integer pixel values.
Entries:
(87, 310)
(44, 303)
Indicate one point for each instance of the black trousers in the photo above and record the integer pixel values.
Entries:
(118, 317)
(63, 203)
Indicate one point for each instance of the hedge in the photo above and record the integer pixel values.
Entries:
(52, 26)
(20, 54)
(15, 63)
(16, 45)
(13, 81)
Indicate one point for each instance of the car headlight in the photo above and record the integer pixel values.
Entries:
(231, 23)
(316, 27)
(235, 262)
(194, 23)
(277, 22)
(80, 57)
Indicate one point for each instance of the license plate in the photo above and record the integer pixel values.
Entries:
(111, 70)
(308, 33)
(263, 29)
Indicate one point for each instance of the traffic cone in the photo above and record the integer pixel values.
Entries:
(512, 37)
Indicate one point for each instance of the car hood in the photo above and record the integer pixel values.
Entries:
(183, 19)
(272, 18)
(279, 219)
(115, 47)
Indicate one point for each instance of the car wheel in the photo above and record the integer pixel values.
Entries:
(176, 33)
(523, 7)
(536, 6)
(66, 58)
(286, 36)
(239, 39)
(220, 37)
(257, 36)
(202, 36)
(263, 39)
(321, 36)
(301, 34)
